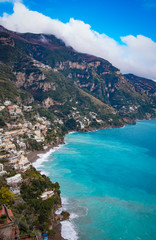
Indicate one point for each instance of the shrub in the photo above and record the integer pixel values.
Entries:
(65, 215)
(6, 195)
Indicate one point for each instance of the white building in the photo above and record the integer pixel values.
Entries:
(15, 190)
(21, 144)
(23, 163)
(46, 195)
(38, 136)
(7, 103)
(14, 180)
(13, 159)
(2, 172)
(1, 167)
(1, 108)
(27, 108)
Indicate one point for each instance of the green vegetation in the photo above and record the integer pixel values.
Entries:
(70, 124)
(2, 123)
(7, 88)
(65, 215)
(37, 184)
(6, 196)
(32, 144)
(93, 88)
(3, 182)
(31, 213)
(76, 92)
(33, 186)
(3, 152)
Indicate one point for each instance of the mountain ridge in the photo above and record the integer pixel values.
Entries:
(42, 65)
(46, 91)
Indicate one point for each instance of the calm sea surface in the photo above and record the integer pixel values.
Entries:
(108, 182)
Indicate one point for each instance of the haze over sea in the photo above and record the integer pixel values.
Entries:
(108, 182)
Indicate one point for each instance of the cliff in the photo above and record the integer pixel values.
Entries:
(74, 92)
(59, 80)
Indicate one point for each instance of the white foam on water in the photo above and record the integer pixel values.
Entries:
(44, 157)
(74, 215)
(71, 132)
(45, 173)
(65, 201)
(68, 230)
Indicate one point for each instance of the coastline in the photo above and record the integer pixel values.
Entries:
(35, 156)
(38, 157)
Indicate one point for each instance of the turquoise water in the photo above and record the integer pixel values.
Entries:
(108, 182)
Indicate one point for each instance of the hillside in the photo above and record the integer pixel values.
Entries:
(46, 91)
(64, 84)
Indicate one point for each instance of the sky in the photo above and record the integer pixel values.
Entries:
(122, 32)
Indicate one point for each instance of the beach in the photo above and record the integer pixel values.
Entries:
(36, 158)
(113, 198)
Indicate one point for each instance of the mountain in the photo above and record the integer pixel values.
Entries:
(143, 86)
(83, 91)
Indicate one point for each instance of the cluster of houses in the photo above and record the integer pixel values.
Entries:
(13, 155)
(83, 120)
(17, 129)
(12, 142)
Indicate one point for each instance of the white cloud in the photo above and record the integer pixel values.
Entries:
(136, 54)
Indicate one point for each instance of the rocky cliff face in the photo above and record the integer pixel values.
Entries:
(144, 86)
(54, 75)
(107, 84)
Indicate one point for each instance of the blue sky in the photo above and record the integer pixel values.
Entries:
(122, 32)
(114, 18)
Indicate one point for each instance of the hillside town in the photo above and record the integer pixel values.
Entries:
(13, 144)
(18, 138)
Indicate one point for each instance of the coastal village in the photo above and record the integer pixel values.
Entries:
(47, 89)
(12, 141)
(17, 140)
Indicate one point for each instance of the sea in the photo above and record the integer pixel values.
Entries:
(108, 182)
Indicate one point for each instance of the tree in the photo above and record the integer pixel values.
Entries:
(5, 195)
(2, 123)
(71, 124)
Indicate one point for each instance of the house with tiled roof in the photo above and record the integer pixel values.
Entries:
(8, 228)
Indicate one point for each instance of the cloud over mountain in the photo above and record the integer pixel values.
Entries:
(135, 54)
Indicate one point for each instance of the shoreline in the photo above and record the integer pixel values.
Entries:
(33, 157)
